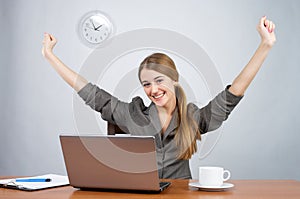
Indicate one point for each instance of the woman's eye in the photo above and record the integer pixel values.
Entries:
(146, 84)
(159, 81)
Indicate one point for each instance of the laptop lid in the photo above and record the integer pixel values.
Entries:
(111, 162)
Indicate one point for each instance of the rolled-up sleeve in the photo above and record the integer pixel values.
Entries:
(211, 116)
(110, 107)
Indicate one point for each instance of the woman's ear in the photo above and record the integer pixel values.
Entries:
(175, 83)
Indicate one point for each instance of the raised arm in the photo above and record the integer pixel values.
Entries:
(72, 78)
(243, 80)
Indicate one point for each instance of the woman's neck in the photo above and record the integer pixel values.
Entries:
(165, 115)
(168, 109)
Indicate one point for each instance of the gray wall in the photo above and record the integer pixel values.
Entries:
(260, 139)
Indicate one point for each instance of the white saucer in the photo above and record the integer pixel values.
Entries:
(223, 187)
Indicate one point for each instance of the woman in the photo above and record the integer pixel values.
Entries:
(175, 125)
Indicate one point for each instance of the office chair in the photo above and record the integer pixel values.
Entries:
(113, 129)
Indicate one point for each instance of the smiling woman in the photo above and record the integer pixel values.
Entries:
(159, 77)
(175, 124)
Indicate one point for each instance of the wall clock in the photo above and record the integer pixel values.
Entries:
(95, 28)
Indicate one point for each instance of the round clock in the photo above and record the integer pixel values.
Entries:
(95, 28)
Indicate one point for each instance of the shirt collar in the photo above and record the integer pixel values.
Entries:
(153, 113)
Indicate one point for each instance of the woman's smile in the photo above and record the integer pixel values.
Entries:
(158, 96)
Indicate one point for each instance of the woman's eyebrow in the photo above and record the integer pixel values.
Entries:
(145, 81)
(158, 77)
(155, 78)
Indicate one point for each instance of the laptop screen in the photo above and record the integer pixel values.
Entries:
(111, 162)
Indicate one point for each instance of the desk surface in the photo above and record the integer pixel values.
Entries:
(179, 189)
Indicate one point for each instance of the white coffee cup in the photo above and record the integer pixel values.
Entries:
(212, 176)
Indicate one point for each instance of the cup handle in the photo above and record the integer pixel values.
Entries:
(228, 175)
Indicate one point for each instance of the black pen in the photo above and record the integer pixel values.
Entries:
(33, 180)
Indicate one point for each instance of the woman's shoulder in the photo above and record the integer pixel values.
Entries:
(192, 106)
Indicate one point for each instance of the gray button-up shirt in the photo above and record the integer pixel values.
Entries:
(138, 119)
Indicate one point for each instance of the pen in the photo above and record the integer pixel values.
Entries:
(33, 180)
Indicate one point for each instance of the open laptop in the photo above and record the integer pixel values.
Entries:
(112, 162)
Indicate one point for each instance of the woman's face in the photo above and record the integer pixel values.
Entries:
(158, 87)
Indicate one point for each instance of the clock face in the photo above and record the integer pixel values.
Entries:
(95, 28)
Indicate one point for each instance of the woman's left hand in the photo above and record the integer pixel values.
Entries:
(266, 30)
(242, 81)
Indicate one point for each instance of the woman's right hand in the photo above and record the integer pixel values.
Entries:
(49, 42)
(266, 30)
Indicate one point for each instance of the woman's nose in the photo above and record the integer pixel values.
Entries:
(154, 88)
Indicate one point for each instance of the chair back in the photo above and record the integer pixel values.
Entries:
(113, 129)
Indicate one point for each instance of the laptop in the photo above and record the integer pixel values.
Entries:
(111, 162)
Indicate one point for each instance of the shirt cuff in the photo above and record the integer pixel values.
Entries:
(85, 91)
(231, 96)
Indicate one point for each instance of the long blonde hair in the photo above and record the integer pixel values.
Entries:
(187, 132)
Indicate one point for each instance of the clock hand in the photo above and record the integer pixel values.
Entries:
(98, 27)
(93, 25)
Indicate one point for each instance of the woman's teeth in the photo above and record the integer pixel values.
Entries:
(158, 96)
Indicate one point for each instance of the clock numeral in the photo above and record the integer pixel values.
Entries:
(87, 34)
(96, 39)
